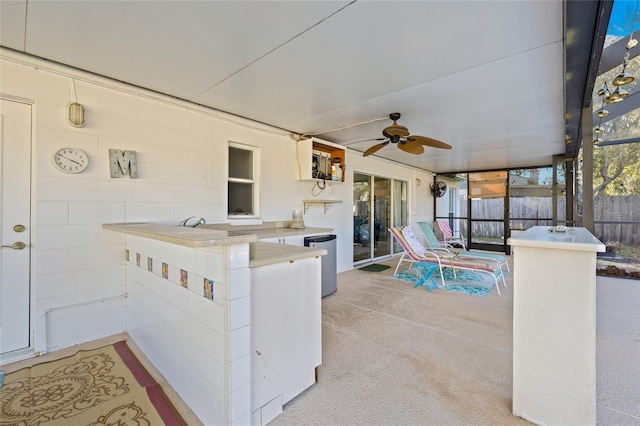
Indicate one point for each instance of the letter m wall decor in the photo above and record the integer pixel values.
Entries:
(123, 162)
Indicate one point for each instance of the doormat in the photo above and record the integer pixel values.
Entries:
(374, 267)
(97, 387)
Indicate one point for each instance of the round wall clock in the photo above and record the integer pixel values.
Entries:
(70, 160)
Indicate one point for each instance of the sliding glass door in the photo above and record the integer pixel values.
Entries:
(400, 209)
(378, 202)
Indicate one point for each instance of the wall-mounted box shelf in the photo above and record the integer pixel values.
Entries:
(315, 158)
(326, 203)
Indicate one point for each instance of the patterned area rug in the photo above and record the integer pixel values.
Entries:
(467, 282)
(106, 386)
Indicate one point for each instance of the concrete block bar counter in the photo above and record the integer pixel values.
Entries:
(554, 325)
(232, 323)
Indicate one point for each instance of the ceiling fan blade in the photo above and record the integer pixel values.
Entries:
(423, 140)
(375, 148)
(411, 147)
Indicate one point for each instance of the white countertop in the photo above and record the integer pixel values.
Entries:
(579, 239)
(180, 235)
(260, 253)
(280, 232)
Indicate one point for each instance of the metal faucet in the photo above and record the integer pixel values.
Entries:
(201, 221)
(184, 222)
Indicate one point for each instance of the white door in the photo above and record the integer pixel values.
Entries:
(15, 224)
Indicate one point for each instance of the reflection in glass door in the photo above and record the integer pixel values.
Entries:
(361, 216)
(400, 209)
(377, 202)
(488, 195)
(531, 198)
(502, 203)
(381, 216)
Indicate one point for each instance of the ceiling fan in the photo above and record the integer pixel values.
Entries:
(398, 134)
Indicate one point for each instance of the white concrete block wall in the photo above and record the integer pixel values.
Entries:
(236, 295)
(182, 160)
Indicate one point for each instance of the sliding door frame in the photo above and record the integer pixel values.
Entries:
(371, 218)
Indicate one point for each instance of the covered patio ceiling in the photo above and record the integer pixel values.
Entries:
(504, 83)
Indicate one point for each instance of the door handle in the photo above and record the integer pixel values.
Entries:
(19, 245)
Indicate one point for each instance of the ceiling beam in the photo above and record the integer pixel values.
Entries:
(620, 142)
(585, 29)
(613, 54)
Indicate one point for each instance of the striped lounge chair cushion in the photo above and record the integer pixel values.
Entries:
(467, 262)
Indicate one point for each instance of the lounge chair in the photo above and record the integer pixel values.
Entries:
(449, 236)
(415, 252)
(434, 244)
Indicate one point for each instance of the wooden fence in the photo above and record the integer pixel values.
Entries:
(609, 213)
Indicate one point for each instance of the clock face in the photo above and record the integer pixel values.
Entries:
(70, 160)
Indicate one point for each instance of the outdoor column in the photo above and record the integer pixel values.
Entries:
(587, 166)
(554, 326)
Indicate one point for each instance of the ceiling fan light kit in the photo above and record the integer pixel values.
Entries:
(400, 135)
(395, 129)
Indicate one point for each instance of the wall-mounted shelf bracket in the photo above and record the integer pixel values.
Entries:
(326, 203)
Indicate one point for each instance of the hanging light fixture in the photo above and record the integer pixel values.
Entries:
(624, 77)
(600, 129)
(75, 110)
(604, 91)
(75, 114)
(618, 95)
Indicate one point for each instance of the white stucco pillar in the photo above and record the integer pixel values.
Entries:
(554, 326)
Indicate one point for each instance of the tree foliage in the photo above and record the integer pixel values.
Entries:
(616, 168)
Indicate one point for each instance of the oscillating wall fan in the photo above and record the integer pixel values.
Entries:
(438, 188)
(399, 135)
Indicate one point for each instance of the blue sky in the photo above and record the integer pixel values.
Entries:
(622, 22)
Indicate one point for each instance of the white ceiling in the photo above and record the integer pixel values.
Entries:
(483, 76)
